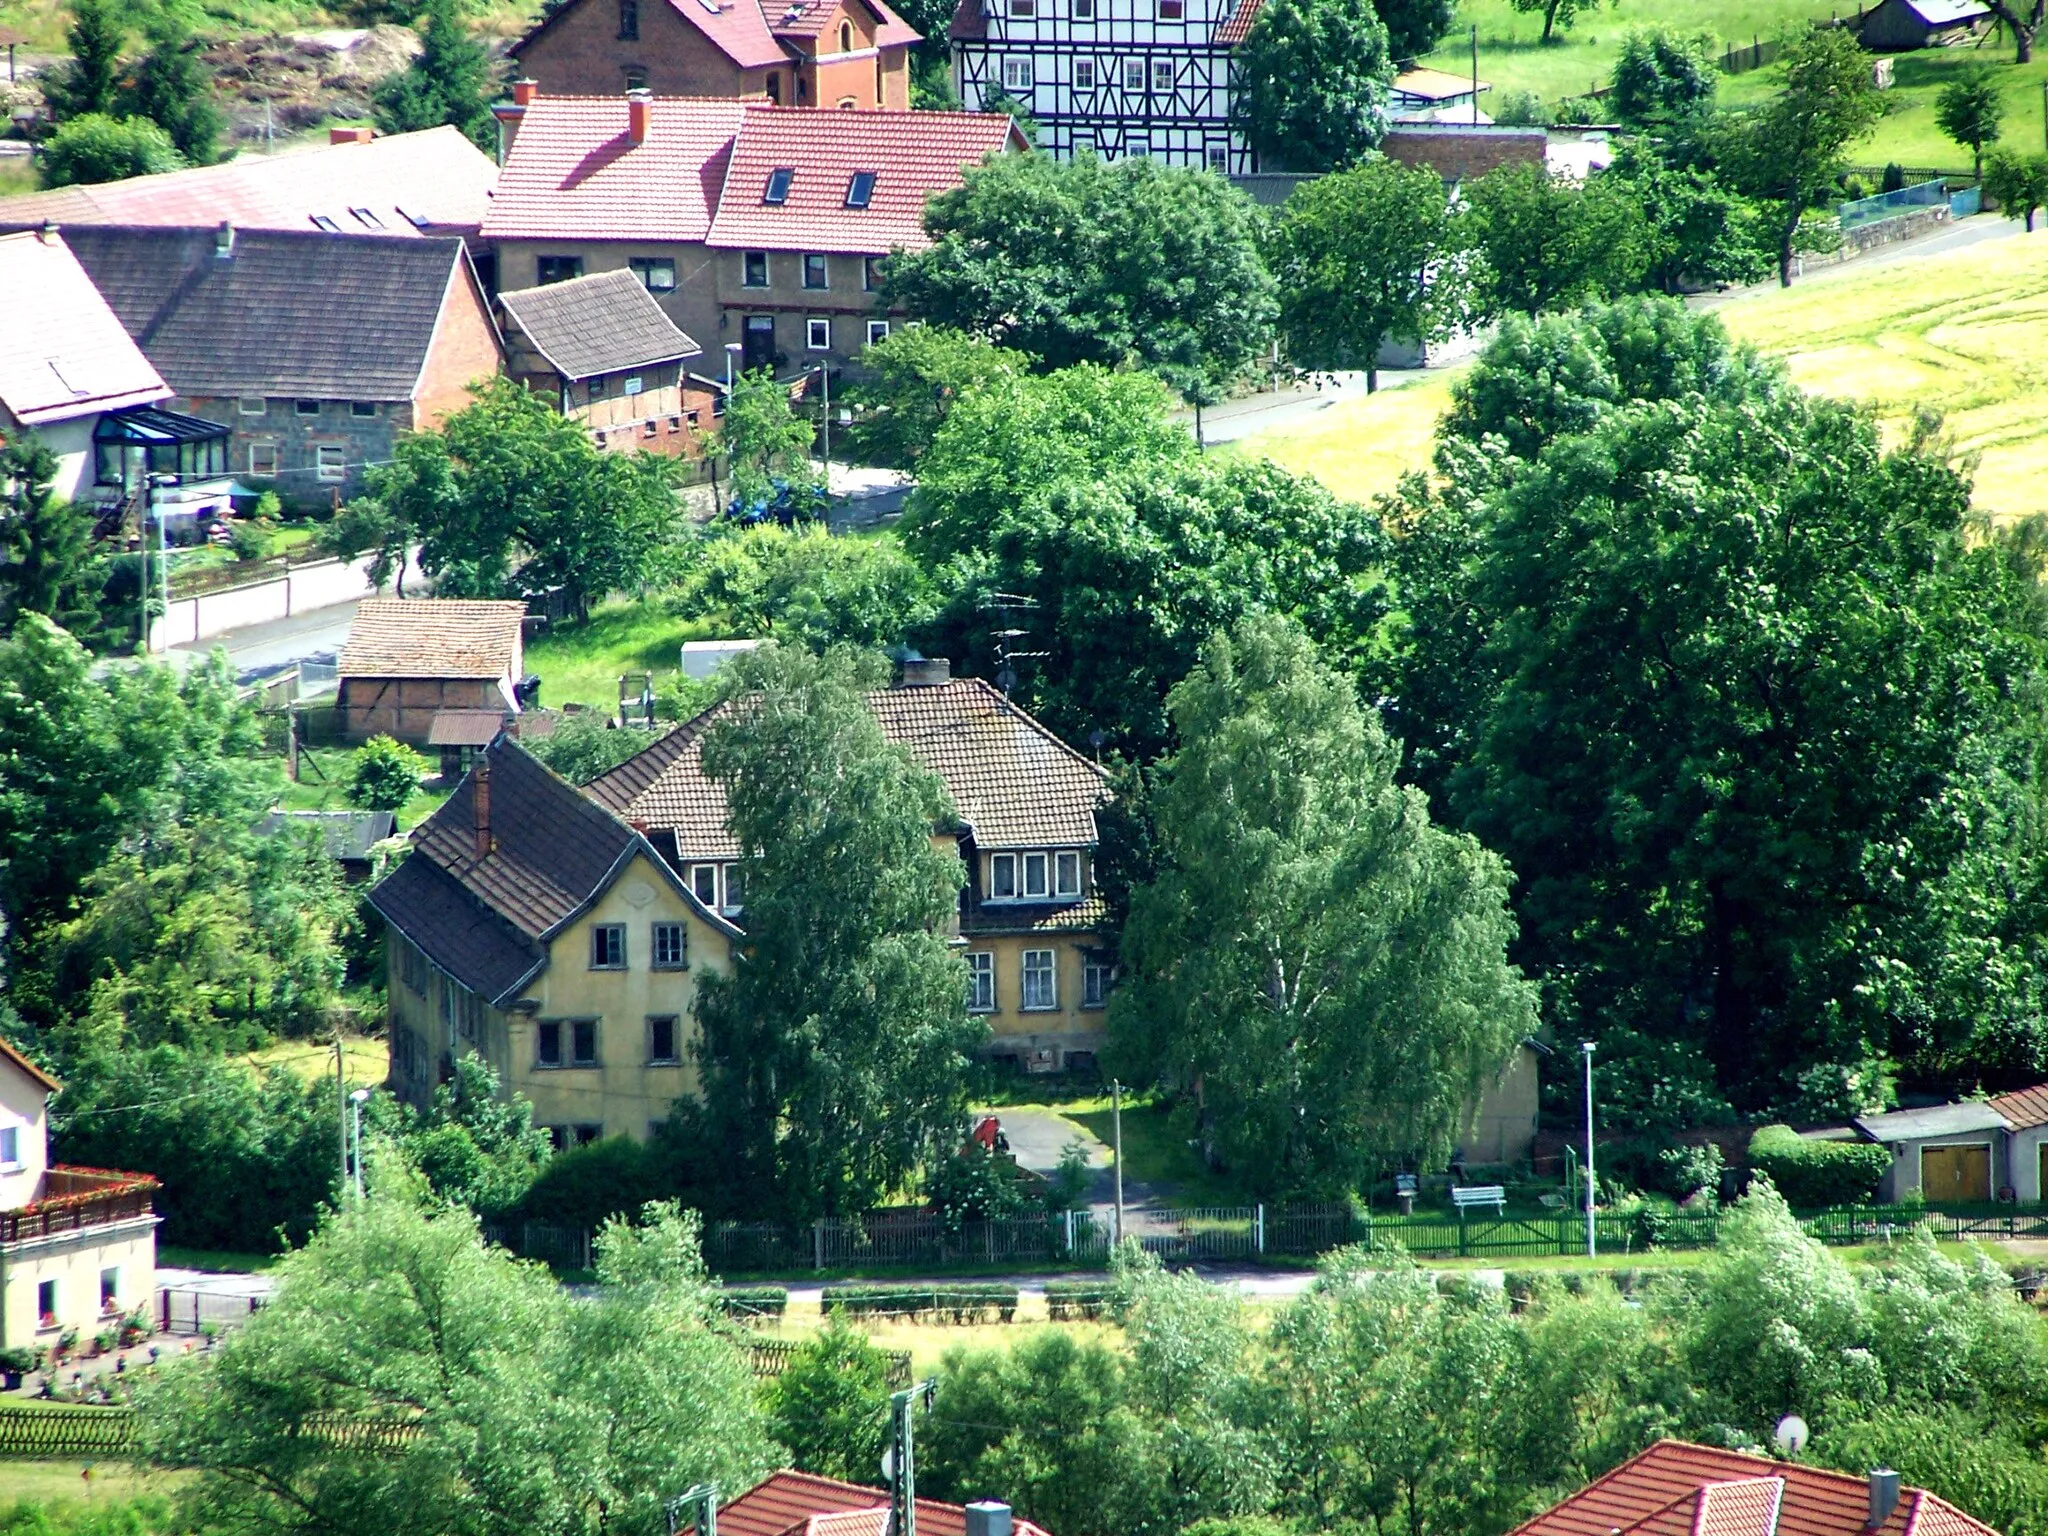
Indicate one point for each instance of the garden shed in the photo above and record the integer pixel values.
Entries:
(2026, 1145)
(409, 660)
(1899, 26)
(1952, 1153)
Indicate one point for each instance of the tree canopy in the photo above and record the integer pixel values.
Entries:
(1548, 242)
(449, 81)
(1312, 84)
(96, 148)
(1663, 80)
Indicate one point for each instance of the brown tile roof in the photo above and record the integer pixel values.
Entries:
(806, 19)
(465, 727)
(432, 637)
(1238, 23)
(1088, 915)
(407, 182)
(785, 1503)
(67, 353)
(1013, 782)
(1679, 1489)
(913, 156)
(605, 323)
(9, 1054)
(2024, 1108)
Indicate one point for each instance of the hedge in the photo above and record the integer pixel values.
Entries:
(1069, 1301)
(1811, 1173)
(931, 1303)
(754, 1300)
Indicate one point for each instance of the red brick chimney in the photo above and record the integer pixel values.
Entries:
(480, 803)
(523, 92)
(351, 133)
(639, 108)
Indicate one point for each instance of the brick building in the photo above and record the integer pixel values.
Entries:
(316, 350)
(806, 53)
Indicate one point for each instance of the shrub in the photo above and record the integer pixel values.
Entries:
(387, 773)
(929, 1303)
(754, 1300)
(98, 148)
(1068, 1301)
(1687, 1170)
(830, 1405)
(250, 541)
(583, 1186)
(1522, 109)
(582, 747)
(1818, 1172)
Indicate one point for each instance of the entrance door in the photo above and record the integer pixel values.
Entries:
(757, 344)
(1959, 1174)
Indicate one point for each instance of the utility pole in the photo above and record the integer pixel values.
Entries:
(701, 1503)
(825, 373)
(899, 1461)
(1116, 1131)
(1591, 1242)
(341, 1098)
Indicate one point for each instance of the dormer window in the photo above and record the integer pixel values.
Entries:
(776, 193)
(1066, 875)
(845, 37)
(1002, 877)
(1034, 876)
(861, 190)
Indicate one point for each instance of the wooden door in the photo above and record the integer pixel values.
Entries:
(1956, 1174)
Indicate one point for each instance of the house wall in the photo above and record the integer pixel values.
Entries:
(2023, 1161)
(623, 1093)
(582, 54)
(464, 349)
(1904, 1177)
(70, 441)
(24, 1106)
(404, 707)
(297, 439)
(847, 304)
(693, 305)
(74, 1261)
(1041, 1040)
(675, 421)
(1500, 1124)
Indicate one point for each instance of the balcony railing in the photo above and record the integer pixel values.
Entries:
(73, 1199)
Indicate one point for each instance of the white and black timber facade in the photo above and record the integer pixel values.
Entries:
(1118, 77)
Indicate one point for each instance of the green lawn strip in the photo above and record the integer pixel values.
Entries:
(215, 1261)
(1156, 1152)
(581, 663)
(322, 785)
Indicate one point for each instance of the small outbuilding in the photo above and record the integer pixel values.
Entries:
(1899, 26)
(407, 661)
(346, 836)
(1951, 1153)
(2026, 1145)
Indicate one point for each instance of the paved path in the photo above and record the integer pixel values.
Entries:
(1039, 1136)
(257, 649)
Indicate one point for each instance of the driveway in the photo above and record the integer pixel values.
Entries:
(1039, 1136)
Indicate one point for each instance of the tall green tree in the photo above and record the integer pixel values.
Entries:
(1131, 263)
(450, 80)
(1329, 965)
(1969, 110)
(95, 148)
(830, 1405)
(472, 1144)
(1788, 152)
(1415, 27)
(506, 477)
(46, 561)
(807, 586)
(1364, 257)
(89, 82)
(526, 1414)
(171, 88)
(1696, 231)
(2017, 183)
(1312, 84)
(1557, 14)
(918, 372)
(1548, 242)
(1663, 80)
(834, 1055)
(766, 443)
(2023, 21)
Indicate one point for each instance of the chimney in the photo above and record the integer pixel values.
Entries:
(926, 672)
(48, 233)
(224, 241)
(639, 106)
(1884, 1495)
(351, 133)
(988, 1518)
(523, 90)
(480, 802)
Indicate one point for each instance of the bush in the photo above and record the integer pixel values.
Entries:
(582, 747)
(249, 541)
(583, 1186)
(1068, 1301)
(1688, 1170)
(387, 773)
(830, 1405)
(1521, 109)
(754, 1300)
(1813, 1173)
(97, 148)
(960, 1304)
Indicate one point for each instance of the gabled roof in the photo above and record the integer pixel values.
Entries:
(912, 155)
(748, 32)
(803, 1504)
(573, 174)
(802, 19)
(407, 183)
(66, 353)
(1947, 13)
(323, 316)
(432, 637)
(2025, 1108)
(1436, 85)
(605, 323)
(1679, 1489)
(10, 1056)
(1235, 26)
(1936, 1120)
(1013, 782)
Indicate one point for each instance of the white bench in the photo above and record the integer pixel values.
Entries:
(1469, 1196)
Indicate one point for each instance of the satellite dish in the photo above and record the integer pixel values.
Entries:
(1791, 1434)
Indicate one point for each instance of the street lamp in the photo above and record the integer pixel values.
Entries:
(732, 349)
(1591, 1244)
(359, 1098)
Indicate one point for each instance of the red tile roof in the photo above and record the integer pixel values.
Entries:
(572, 175)
(1678, 1489)
(67, 353)
(2025, 1108)
(434, 179)
(35, 1073)
(786, 1504)
(1239, 22)
(807, 18)
(913, 156)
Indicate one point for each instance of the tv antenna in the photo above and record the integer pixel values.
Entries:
(1008, 608)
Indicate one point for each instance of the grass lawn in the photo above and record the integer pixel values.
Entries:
(323, 786)
(581, 663)
(363, 1059)
(1361, 447)
(1155, 1153)
(62, 1482)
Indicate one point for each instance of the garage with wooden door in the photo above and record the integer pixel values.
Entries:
(1954, 1154)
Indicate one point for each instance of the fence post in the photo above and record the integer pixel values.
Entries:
(1463, 1250)
(818, 1243)
(1259, 1227)
(1068, 1216)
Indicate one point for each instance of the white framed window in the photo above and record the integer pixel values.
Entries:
(331, 463)
(1218, 157)
(1035, 887)
(1084, 74)
(754, 269)
(253, 405)
(1023, 7)
(1084, 10)
(981, 982)
(1040, 981)
(10, 1148)
(1016, 74)
(262, 460)
(818, 335)
(671, 947)
(878, 330)
(1002, 877)
(608, 947)
(1162, 74)
(1138, 149)
(704, 884)
(1134, 74)
(735, 892)
(1066, 874)
(1097, 977)
(367, 219)
(1171, 10)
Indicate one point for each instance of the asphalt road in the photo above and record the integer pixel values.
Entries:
(270, 647)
